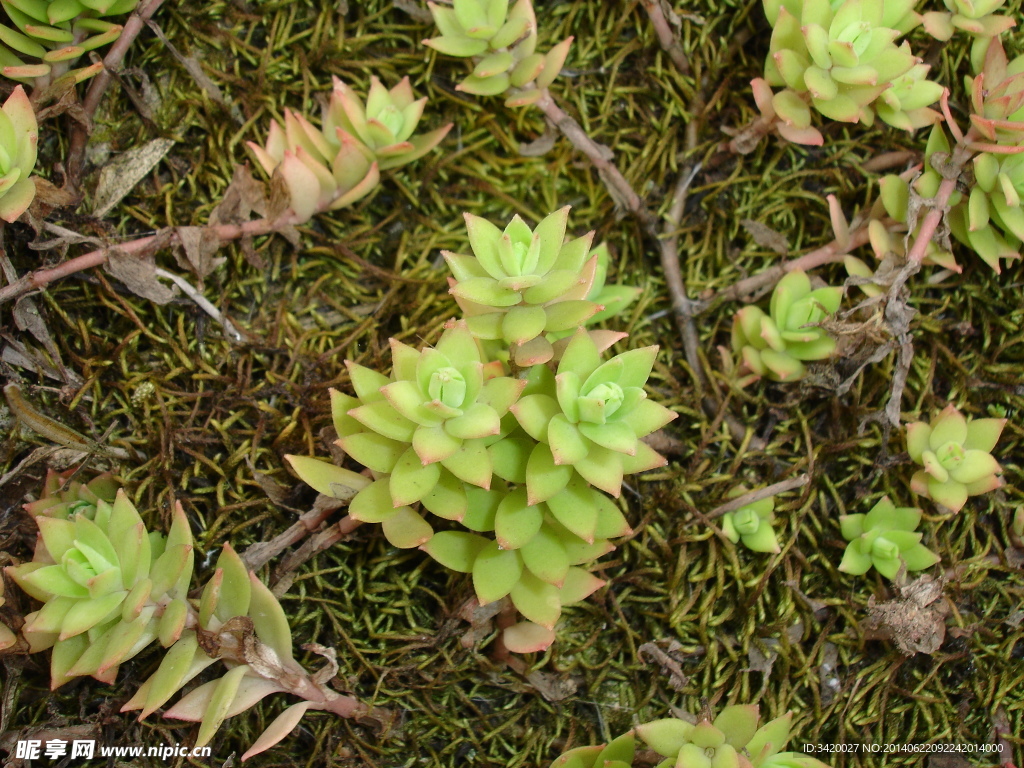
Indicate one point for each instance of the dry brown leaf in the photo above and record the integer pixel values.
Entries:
(766, 237)
(138, 272)
(915, 621)
(541, 145)
(119, 176)
(50, 196)
(829, 683)
(668, 659)
(194, 250)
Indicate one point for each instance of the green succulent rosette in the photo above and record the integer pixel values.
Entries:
(841, 57)
(109, 587)
(7, 637)
(423, 433)
(57, 33)
(956, 455)
(975, 17)
(732, 740)
(521, 284)
(333, 167)
(501, 38)
(63, 496)
(886, 538)
(534, 557)
(19, 134)
(589, 418)
(751, 524)
(777, 344)
(233, 602)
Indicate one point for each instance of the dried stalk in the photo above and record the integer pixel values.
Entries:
(111, 62)
(761, 493)
(668, 39)
(827, 254)
(43, 277)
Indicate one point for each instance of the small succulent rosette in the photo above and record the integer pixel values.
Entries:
(534, 559)
(109, 587)
(241, 617)
(731, 740)
(840, 58)
(751, 524)
(888, 240)
(57, 33)
(990, 220)
(333, 167)
(501, 38)
(886, 538)
(521, 285)
(424, 434)
(978, 18)
(19, 134)
(956, 455)
(589, 418)
(777, 344)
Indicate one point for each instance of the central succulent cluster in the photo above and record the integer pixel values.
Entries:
(522, 462)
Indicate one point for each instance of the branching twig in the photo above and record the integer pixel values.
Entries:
(816, 258)
(202, 302)
(668, 39)
(761, 493)
(43, 277)
(111, 62)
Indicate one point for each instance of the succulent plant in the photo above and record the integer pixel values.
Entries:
(7, 638)
(241, 622)
(19, 134)
(424, 433)
(503, 43)
(109, 587)
(613, 298)
(523, 284)
(589, 417)
(535, 558)
(64, 496)
(731, 740)
(956, 455)
(334, 167)
(776, 344)
(841, 57)
(752, 524)
(975, 17)
(884, 538)
(57, 32)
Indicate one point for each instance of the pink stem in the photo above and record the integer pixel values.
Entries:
(816, 258)
(669, 42)
(43, 277)
(135, 24)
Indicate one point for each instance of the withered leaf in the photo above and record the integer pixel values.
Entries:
(195, 248)
(119, 176)
(915, 621)
(668, 659)
(541, 145)
(138, 272)
(50, 196)
(766, 237)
